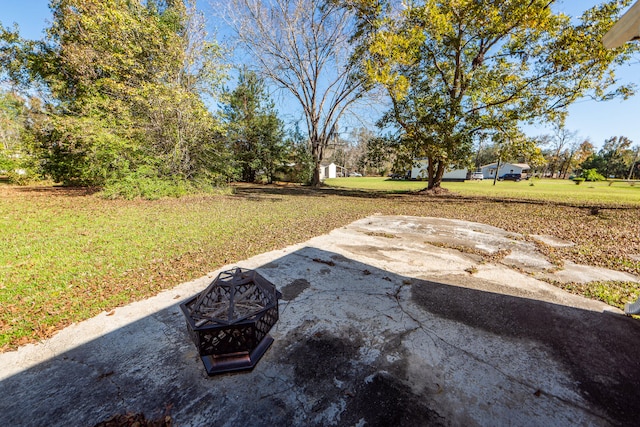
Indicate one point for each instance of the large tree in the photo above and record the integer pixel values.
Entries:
(456, 68)
(303, 47)
(254, 132)
(121, 82)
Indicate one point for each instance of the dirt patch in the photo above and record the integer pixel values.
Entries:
(437, 191)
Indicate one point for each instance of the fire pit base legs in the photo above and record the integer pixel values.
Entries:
(238, 361)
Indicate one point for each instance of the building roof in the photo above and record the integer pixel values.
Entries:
(626, 29)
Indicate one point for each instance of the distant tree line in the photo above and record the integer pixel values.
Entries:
(119, 93)
(616, 159)
(561, 155)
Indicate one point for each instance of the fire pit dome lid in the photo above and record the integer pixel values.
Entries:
(235, 295)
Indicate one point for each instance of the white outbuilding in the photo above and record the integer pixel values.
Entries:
(331, 171)
(419, 171)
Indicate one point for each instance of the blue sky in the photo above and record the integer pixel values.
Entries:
(594, 120)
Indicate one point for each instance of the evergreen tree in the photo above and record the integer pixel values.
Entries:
(255, 134)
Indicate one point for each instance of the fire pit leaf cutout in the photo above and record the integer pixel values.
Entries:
(230, 320)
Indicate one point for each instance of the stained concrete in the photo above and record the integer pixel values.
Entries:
(389, 321)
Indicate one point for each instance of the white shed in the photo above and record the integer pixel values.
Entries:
(331, 171)
(419, 171)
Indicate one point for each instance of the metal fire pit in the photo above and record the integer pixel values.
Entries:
(230, 320)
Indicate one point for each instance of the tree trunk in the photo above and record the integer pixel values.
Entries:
(435, 172)
(495, 177)
(430, 174)
(315, 181)
(439, 174)
(316, 153)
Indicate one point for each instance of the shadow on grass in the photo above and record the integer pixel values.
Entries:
(256, 192)
(57, 190)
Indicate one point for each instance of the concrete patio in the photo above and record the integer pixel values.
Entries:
(400, 321)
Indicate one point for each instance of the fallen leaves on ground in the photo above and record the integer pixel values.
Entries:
(278, 216)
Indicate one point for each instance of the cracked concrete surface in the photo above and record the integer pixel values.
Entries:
(388, 321)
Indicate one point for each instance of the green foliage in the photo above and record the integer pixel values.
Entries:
(615, 159)
(81, 150)
(123, 81)
(15, 162)
(6, 163)
(515, 145)
(378, 154)
(591, 175)
(146, 183)
(579, 180)
(254, 133)
(301, 161)
(454, 69)
(11, 123)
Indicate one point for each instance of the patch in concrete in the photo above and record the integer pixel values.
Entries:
(384, 400)
(294, 289)
(322, 362)
(271, 265)
(329, 371)
(340, 258)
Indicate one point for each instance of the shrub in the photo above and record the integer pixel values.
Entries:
(145, 183)
(591, 175)
(20, 177)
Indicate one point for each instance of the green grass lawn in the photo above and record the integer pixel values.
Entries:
(565, 191)
(68, 254)
(376, 183)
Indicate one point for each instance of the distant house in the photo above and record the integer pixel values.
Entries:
(419, 171)
(331, 171)
(489, 171)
